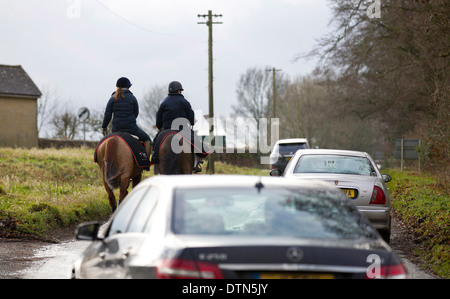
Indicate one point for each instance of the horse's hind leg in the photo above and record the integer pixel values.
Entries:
(137, 179)
(111, 197)
(123, 191)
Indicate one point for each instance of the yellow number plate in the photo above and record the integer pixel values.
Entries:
(349, 192)
(296, 276)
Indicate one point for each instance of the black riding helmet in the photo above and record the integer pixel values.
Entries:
(123, 82)
(174, 86)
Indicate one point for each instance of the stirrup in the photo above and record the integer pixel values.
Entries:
(198, 167)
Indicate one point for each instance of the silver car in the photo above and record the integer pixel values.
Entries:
(353, 172)
(218, 226)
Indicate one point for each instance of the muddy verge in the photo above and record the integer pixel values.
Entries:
(17, 254)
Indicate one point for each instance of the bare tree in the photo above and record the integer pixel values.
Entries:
(393, 71)
(253, 91)
(94, 125)
(305, 107)
(149, 106)
(47, 105)
(65, 124)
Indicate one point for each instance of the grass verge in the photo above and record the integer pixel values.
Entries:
(423, 205)
(41, 190)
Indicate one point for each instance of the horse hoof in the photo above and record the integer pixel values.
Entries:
(113, 209)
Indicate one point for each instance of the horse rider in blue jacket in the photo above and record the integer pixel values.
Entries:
(125, 108)
(175, 106)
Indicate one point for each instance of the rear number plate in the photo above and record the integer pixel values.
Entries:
(350, 193)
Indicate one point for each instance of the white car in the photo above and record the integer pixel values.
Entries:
(352, 171)
(284, 149)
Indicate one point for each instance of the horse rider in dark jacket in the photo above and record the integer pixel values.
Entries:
(125, 108)
(175, 106)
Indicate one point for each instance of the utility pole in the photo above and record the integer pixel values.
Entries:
(298, 116)
(210, 23)
(274, 89)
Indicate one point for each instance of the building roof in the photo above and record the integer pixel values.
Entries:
(15, 81)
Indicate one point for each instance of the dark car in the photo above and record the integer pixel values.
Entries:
(213, 226)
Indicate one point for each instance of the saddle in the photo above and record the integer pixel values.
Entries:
(136, 147)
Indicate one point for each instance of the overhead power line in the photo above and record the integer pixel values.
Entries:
(130, 22)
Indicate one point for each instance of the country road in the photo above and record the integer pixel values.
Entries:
(40, 260)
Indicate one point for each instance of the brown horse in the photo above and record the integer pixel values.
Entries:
(180, 161)
(118, 167)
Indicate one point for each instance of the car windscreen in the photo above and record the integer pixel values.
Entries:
(290, 148)
(334, 164)
(311, 214)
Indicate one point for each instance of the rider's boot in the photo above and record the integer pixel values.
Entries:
(198, 166)
(148, 148)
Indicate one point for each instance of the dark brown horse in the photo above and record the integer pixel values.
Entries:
(177, 160)
(118, 167)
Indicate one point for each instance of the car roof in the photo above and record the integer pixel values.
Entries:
(292, 140)
(332, 152)
(229, 181)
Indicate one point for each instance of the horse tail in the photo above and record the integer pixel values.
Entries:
(112, 178)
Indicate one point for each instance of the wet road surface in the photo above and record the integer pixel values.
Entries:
(54, 261)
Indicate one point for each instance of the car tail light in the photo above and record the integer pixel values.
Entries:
(391, 272)
(378, 197)
(185, 269)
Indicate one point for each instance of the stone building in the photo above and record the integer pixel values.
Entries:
(18, 108)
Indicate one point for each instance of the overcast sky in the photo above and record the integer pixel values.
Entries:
(81, 47)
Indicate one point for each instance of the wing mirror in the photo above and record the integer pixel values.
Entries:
(386, 177)
(275, 172)
(88, 231)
